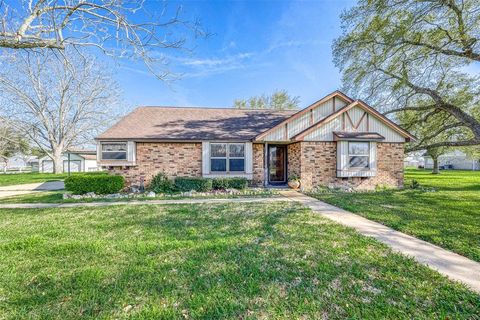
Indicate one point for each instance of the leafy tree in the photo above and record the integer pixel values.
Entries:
(411, 55)
(279, 100)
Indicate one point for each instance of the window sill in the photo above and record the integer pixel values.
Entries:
(356, 173)
(248, 176)
(116, 163)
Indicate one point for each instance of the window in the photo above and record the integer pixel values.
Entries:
(359, 155)
(227, 157)
(114, 151)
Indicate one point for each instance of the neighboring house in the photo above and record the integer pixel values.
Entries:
(80, 161)
(415, 159)
(453, 160)
(19, 162)
(336, 141)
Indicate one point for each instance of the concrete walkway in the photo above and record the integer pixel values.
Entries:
(136, 203)
(15, 190)
(452, 265)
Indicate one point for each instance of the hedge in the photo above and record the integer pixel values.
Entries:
(185, 184)
(229, 183)
(100, 184)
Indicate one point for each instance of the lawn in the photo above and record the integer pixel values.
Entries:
(34, 177)
(448, 217)
(247, 261)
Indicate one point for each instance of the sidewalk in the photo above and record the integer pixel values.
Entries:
(15, 190)
(452, 265)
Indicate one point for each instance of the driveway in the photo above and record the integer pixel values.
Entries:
(15, 190)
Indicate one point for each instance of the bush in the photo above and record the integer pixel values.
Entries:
(185, 184)
(161, 184)
(100, 184)
(229, 183)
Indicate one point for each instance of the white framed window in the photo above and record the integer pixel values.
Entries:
(227, 157)
(358, 155)
(114, 151)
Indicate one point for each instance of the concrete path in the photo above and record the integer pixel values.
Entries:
(136, 203)
(452, 265)
(15, 190)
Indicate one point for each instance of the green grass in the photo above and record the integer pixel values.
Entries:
(35, 177)
(449, 217)
(57, 197)
(247, 261)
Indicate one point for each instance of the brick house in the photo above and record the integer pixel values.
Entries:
(335, 141)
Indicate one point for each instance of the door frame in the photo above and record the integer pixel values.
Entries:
(277, 183)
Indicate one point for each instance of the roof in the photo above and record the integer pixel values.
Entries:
(88, 156)
(360, 136)
(183, 123)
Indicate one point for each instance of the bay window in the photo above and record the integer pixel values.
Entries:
(227, 157)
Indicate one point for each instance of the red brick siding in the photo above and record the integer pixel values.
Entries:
(258, 164)
(175, 159)
(319, 160)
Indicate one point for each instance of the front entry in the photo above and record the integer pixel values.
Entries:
(277, 164)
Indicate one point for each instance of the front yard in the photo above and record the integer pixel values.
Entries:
(449, 217)
(34, 177)
(209, 261)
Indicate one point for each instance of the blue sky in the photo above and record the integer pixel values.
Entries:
(255, 48)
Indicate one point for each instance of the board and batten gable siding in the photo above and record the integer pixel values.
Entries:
(354, 120)
(299, 123)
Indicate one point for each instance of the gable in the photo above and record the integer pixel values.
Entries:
(306, 118)
(356, 117)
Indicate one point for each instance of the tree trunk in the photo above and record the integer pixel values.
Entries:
(435, 166)
(57, 161)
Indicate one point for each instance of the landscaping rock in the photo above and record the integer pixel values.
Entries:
(151, 194)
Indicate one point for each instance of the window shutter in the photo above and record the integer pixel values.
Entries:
(99, 151)
(373, 156)
(342, 155)
(131, 152)
(205, 158)
(248, 157)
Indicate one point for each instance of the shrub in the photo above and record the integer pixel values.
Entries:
(229, 183)
(100, 184)
(185, 184)
(161, 184)
(414, 184)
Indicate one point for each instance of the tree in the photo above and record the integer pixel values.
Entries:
(56, 104)
(435, 153)
(124, 29)
(279, 100)
(406, 55)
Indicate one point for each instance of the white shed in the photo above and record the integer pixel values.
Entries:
(80, 161)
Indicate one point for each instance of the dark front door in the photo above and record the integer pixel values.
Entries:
(277, 164)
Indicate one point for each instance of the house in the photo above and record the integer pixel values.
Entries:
(337, 141)
(455, 159)
(18, 163)
(80, 161)
(414, 159)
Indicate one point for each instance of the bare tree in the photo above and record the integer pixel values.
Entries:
(57, 103)
(123, 29)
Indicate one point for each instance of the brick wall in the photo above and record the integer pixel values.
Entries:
(175, 159)
(258, 164)
(294, 159)
(318, 166)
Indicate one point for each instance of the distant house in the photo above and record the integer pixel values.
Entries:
(416, 160)
(19, 162)
(456, 160)
(80, 161)
(336, 141)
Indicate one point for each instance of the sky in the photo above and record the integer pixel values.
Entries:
(255, 47)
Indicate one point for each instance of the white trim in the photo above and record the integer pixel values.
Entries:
(248, 158)
(205, 158)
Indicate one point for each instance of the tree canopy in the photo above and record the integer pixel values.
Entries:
(415, 56)
(278, 100)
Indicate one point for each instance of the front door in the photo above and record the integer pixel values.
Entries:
(277, 164)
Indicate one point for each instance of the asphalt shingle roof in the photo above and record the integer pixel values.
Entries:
(176, 123)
